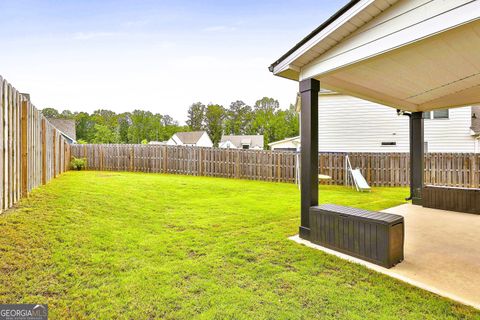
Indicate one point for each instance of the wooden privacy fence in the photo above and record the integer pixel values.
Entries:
(32, 151)
(380, 169)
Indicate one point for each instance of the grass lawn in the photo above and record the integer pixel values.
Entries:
(128, 245)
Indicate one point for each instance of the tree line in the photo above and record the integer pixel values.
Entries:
(105, 126)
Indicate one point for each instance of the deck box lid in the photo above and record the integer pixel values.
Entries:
(381, 217)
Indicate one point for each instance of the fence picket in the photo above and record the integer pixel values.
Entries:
(26, 156)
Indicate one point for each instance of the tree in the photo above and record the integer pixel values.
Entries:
(263, 122)
(196, 116)
(142, 126)
(67, 114)
(84, 126)
(103, 134)
(214, 116)
(50, 113)
(124, 122)
(238, 118)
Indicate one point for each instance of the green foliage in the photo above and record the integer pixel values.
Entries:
(196, 116)
(106, 126)
(113, 245)
(81, 141)
(238, 119)
(50, 113)
(103, 134)
(144, 141)
(214, 116)
(78, 163)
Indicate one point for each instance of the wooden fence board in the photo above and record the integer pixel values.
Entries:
(25, 159)
(379, 169)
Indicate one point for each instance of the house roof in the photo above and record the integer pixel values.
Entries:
(284, 140)
(66, 126)
(414, 56)
(252, 140)
(312, 34)
(190, 137)
(351, 17)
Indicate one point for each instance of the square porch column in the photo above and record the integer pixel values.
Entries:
(416, 156)
(309, 90)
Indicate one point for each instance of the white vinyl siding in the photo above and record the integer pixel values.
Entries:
(350, 124)
(204, 141)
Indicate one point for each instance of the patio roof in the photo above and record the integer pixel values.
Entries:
(410, 55)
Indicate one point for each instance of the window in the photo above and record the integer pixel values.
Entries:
(436, 114)
(389, 143)
(245, 146)
(440, 114)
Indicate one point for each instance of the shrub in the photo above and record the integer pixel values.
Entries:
(78, 163)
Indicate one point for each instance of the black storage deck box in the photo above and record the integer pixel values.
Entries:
(376, 237)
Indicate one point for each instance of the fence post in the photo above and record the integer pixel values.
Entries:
(54, 152)
(100, 155)
(200, 162)
(237, 160)
(24, 149)
(65, 160)
(278, 166)
(165, 153)
(131, 158)
(44, 151)
(473, 171)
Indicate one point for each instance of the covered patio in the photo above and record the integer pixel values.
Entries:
(415, 57)
(441, 253)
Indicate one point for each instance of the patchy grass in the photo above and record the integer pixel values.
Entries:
(128, 245)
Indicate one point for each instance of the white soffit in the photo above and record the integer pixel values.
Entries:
(416, 55)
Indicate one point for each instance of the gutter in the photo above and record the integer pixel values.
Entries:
(312, 34)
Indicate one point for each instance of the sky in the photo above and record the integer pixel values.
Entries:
(160, 56)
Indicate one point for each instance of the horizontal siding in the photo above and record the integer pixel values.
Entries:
(348, 124)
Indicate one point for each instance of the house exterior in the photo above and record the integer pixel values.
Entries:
(162, 143)
(288, 144)
(66, 128)
(349, 124)
(192, 139)
(241, 142)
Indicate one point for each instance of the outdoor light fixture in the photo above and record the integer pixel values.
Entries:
(298, 103)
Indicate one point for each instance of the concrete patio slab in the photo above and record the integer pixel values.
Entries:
(442, 253)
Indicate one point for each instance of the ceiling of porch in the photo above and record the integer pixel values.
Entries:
(438, 72)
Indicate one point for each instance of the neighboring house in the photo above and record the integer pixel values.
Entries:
(354, 125)
(66, 128)
(158, 142)
(288, 144)
(242, 142)
(194, 138)
(349, 124)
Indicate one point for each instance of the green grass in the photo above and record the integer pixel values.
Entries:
(126, 245)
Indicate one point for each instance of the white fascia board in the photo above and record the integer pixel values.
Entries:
(287, 62)
(284, 140)
(177, 140)
(457, 17)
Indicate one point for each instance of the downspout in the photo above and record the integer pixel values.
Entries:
(409, 115)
